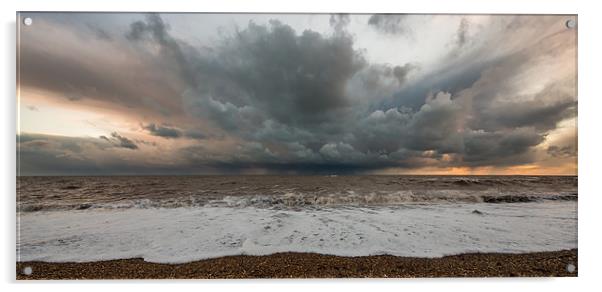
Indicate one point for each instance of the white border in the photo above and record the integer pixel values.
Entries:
(589, 136)
(372, 6)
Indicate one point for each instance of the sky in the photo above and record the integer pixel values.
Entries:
(132, 93)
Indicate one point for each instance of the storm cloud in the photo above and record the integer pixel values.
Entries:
(339, 21)
(389, 23)
(163, 131)
(269, 96)
(120, 141)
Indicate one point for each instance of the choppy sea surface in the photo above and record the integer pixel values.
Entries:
(175, 219)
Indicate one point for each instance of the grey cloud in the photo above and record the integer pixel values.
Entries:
(45, 154)
(462, 33)
(163, 131)
(293, 78)
(57, 155)
(377, 87)
(194, 134)
(34, 160)
(543, 110)
(91, 74)
(564, 151)
(338, 152)
(39, 141)
(382, 131)
(99, 32)
(271, 130)
(440, 126)
(339, 21)
(266, 72)
(144, 142)
(401, 72)
(68, 76)
(451, 78)
(500, 148)
(564, 145)
(138, 29)
(389, 23)
(535, 113)
(120, 141)
(304, 101)
(277, 88)
(495, 104)
(435, 126)
(461, 40)
(376, 76)
(244, 153)
(170, 132)
(183, 57)
(270, 69)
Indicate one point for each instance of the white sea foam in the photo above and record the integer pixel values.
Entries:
(175, 235)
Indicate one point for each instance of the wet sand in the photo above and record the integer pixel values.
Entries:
(311, 265)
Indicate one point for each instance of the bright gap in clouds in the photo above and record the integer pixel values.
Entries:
(49, 119)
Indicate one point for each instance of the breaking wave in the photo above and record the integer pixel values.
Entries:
(295, 200)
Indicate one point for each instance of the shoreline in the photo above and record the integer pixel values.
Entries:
(313, 265)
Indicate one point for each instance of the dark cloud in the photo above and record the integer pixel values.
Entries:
(170, 132)
(453, 79)
(273, 98)
(58, 155)
(67, 76)
(120, 141)
(461, 41)
(293, 78)
(195, 134)
(439, 127)
(163, 131)
(379, 76)
(262, 72)
(99, 32)
(389, 23)
(436, 125)
(51, 155)
(462, 33)
(500, 148)
(144, 142)
(182, 57)
(401, 72)
(78, 63)
(535, 113)
(339, 21)
(544, 110)
(564, 151)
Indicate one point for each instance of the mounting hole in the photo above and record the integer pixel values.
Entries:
(28, 21)
(570, 268)
(27, 271)
(571, 23)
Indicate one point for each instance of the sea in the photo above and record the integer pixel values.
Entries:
(178, 219)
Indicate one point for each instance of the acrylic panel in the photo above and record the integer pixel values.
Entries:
(207, 145)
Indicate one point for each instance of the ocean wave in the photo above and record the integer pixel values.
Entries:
(396, 198)
(297, 200)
